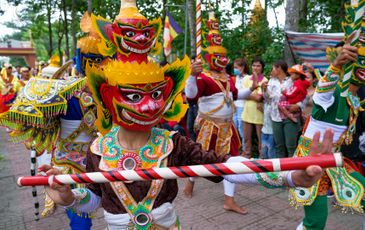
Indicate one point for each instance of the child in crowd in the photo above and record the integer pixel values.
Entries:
(7, 96)
(296, 94)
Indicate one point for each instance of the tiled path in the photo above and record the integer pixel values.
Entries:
(268, 209)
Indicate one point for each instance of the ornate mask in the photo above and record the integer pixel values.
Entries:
(213, 23)
(214, 39)
(358, 73)
(217, 61)
(216, 54)
(87, 51)
(130, 37)
(137, 95)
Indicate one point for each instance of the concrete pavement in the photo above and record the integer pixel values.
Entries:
(268, 209)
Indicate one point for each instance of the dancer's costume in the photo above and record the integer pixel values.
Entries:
(135, 95)
(346, 183)
(214, 125)
(58, 116)
(215, 95)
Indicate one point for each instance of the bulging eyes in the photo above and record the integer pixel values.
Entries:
(98, 59)
(134, 97)
(130, 34)
(146, 33)
(156, 94)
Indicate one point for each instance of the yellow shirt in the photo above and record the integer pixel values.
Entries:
(250, 112)
(16, 83)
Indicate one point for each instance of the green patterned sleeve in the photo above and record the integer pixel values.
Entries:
(275, 179)
(329, 81)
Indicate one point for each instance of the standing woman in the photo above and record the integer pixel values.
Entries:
(241, 70)
(253, 117)
(285, 131)
(311, 77)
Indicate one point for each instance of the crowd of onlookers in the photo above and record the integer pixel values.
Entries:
(271, 120)
(24, 72)
(275, 112)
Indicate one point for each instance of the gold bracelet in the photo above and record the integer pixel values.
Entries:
(334, 69)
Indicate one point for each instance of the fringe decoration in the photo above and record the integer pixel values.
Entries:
(37, 114)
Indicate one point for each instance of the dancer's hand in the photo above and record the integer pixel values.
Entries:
(60, 194)
(308, 177)
(196, 68)
(347, 54)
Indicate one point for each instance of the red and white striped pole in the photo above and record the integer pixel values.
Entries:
(198, 30)
(208, 170)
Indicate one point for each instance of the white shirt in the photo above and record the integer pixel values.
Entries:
(239, 86)
(274, 92)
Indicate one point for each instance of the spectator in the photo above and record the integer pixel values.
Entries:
(25, 73)
(34, 72)
(285, 131)
(17, 72)
(297, 93)
(252, 116)
(312, 79)
(241, 70)
(267, 135)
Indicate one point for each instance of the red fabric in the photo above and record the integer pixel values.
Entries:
(298, 92)
(4, 102)
(235, 141)
(207, 87)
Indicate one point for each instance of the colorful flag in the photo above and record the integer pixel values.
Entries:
(171, 30)
(311, 47)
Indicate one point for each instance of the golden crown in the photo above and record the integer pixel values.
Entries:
(119, 73)
(89, 44)
(129, 10)
(55, 61)
(216, 49)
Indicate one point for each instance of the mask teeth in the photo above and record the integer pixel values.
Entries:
(138, 122)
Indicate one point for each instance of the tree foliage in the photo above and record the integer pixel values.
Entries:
(44, 22)
(323, 15)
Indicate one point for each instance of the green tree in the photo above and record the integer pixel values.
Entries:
(257, 37)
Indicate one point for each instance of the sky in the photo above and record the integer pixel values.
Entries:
(10, 15)
(280, 13)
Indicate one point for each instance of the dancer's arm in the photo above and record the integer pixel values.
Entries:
(271, 180)
(187, 152)
(299, 178)
(84, 200)
(327, 84)
(192, 87)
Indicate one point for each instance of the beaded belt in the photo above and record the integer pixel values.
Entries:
(214, 119)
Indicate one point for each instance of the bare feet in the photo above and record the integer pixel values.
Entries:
(230, 205)
(188, 190)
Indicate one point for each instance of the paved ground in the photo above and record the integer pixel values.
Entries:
(268, 209)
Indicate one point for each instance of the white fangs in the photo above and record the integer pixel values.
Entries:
(128, 117)
(134, 50)
(218, 64)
